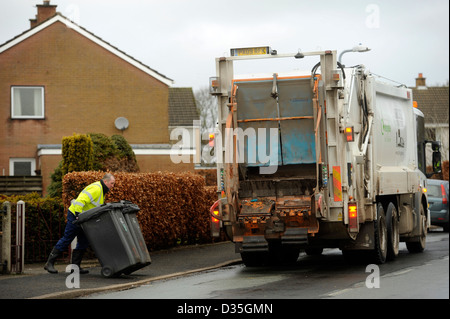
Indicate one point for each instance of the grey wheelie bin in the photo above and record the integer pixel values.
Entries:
(111, 237)
(129, 212)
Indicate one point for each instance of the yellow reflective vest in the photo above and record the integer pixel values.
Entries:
(90, 197)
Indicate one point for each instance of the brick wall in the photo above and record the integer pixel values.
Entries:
(86, 89)
(156, 163)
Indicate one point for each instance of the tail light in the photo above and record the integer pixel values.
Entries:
(353, 217)
(215, 216)
(444, 195)
(211, 140)
(215, 219)
(349, 134)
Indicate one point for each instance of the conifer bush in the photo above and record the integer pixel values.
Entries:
(77, 153)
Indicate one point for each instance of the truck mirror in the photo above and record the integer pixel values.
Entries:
(437, 168)
(436, 158)
(435, 146)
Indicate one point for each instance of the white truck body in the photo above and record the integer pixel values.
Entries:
(324, 159)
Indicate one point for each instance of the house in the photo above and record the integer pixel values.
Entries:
(433, 102)
(58, 78)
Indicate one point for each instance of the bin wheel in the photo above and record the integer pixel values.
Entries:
(107, 272)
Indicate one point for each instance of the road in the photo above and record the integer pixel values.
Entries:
(410, 276)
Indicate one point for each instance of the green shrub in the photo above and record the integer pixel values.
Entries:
(104, 149)
(108, 154)
(55, 187)
(77, 153)
(113, 154)
(124, 149)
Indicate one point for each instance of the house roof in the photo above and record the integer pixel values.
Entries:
(433, 102)
(70, 24)
(182, 107)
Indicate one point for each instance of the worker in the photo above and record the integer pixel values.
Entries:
(91, 196)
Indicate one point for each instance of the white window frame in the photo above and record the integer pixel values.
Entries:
(13, 116)
(22, 159)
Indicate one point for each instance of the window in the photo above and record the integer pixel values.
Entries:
(22, 167)
(27, 102)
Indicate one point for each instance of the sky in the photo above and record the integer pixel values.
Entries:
(181, 38)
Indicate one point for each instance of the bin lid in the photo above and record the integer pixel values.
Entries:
(129, 207)
(94, 213)
(126, 207)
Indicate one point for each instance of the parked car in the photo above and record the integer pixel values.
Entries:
(437, 191)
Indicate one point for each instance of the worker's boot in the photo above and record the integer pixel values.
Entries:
(50, 265)
(77, 256)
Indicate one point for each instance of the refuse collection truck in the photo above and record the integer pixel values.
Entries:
(329, 158)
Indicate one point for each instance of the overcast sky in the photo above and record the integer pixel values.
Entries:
(182, 38)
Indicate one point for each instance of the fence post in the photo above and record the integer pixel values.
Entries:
(6, 238)
(20, 236)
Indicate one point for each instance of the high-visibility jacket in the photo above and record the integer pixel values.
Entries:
(90, 197)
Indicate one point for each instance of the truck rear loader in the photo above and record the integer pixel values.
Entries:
(332, 158)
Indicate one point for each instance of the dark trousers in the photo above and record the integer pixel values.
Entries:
(70, 233)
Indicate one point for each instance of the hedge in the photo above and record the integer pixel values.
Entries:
(174, 207)
(44, 224)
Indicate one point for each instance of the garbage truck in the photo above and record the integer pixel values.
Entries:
(334, 157)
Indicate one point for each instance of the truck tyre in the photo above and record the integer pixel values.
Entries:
(393, 234)
(418, 245)
(380, 234)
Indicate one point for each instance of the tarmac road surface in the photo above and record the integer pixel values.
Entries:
(411, 276)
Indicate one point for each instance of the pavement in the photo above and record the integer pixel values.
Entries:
(36, 283)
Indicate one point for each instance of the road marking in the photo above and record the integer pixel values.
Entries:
(338, 292)
(398, 273)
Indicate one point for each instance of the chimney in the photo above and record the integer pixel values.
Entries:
(44, 11)
(420, 81)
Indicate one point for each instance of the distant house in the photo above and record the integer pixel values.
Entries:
(57, 79)
(433, 102)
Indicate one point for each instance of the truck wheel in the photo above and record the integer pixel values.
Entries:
(418, 245)
(380, 251)
(393, 234)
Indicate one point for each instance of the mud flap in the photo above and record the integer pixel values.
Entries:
(295, 236)
(253, 244)
(364, 241)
